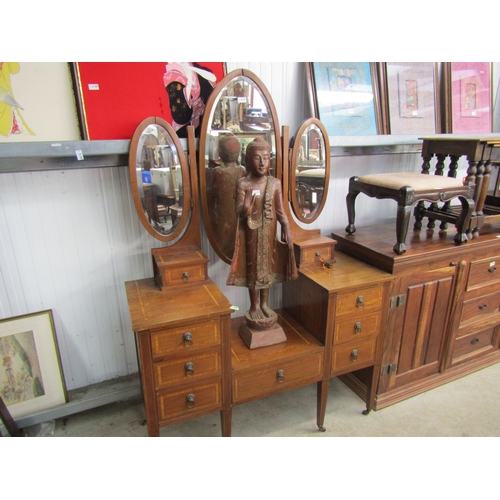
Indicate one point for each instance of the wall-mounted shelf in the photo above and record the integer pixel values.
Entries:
(66, 155)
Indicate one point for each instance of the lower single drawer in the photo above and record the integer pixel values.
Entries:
(258, 381)
(187, 368)
(480, 307)
(354, 356)
(356, 328)
(473, 342)
(186, 338)
(191, 398)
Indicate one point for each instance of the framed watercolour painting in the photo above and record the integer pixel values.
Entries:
(468, 97)
(410, 97)
(37, 102)
(114, 97)
(346, 97)
(31, 378)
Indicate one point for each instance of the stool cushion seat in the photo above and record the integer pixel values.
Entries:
(419, 182)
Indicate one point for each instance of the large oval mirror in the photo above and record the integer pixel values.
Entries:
(159, 179)
(239, 110)
(309, 170)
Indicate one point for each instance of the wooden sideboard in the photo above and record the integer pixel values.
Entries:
(444, 307)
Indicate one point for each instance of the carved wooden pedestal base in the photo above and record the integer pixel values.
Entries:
(261, 338)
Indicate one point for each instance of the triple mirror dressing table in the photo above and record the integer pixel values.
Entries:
(192, 359)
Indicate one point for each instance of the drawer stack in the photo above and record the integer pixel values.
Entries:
(480, 313)
(187, 370)
(357, 327)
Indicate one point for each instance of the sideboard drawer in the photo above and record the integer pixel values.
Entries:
(279, 375)
(483, 272)
(187, 368)
(189, 399)
(185, 338)
(360, 302)
(480, 307)
(356, 328)
(354, 356)
(473, 342)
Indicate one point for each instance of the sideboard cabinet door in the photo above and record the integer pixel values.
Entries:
(418, 319)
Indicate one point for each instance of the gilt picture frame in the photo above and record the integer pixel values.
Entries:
(410, 98)
(468, 93)
(345, 96)
(113, 97)
(31, 376)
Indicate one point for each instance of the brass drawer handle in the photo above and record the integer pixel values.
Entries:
(189, 369)
(357, 328)
(360, 302)
(280, 376)
(190, 400)
(475, 341)
(187, 338)
(492, 269)
(354, 355)
(185, 276)
(484, 306)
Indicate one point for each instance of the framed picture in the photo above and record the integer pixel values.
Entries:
(37, 102)
(410, 97)
(114, 97)
(345, 97)
(31, 377)
(468, 97)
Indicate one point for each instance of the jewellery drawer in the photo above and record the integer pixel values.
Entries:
(483, 272)
(189, 399)
(276, 376)
(185, 274)
(185, 338)
(362, 301)
(354, 356)
(473, 342)
(187, 368)
(480, 307)
(356, 328)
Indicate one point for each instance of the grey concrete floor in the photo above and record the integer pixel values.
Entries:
(466, 407)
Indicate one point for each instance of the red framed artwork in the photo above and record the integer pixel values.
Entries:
(469, 97)
(114, 97)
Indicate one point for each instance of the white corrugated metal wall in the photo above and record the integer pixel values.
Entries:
(70, 239)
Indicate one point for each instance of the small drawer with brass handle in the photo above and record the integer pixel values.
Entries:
(366, 301)
(199, 397)
(174, 371)
(353, 357)
(361, 326)
(197, 336)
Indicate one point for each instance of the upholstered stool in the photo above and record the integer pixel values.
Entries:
(408, 189)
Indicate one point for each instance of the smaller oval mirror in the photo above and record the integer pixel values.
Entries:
(310, 170)
(159, 179)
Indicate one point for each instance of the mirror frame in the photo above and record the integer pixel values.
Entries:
(211, 103)
(293, 178)
(186, 182)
